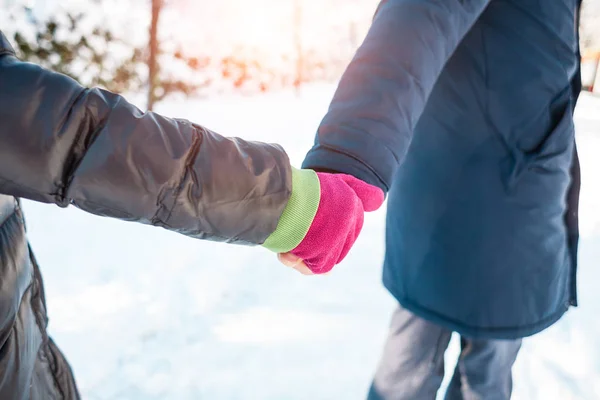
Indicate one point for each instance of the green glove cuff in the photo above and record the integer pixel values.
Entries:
(299, 212)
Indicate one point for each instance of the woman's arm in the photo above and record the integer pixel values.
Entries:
(383, 91)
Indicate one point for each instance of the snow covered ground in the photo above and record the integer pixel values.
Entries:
(143, 313)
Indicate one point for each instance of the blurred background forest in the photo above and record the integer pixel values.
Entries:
(196, 47)
(169, 47)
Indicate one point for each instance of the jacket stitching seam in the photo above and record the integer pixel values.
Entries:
(36, 279)
(194, 151)
(65, 183)
(62, 191)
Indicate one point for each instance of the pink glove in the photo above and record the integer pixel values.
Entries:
(338, 222)
(323, 218)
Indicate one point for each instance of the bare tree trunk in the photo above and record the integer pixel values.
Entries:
(154, 50)
(298, 44)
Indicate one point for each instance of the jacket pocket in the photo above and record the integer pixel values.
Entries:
(552, 154)
(556, 147)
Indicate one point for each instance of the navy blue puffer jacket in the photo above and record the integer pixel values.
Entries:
(463, 110)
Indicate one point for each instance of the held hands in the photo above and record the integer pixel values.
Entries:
(322, 220)
(292, 261)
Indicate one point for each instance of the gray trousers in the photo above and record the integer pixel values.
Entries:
(412, 366)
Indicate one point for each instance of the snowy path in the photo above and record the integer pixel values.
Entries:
(143, 313)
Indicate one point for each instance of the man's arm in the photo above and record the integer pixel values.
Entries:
(383, 92)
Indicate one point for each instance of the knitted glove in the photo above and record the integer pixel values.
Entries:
(323, 217)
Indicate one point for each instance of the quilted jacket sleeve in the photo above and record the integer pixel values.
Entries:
(65, 144)
(383, 91)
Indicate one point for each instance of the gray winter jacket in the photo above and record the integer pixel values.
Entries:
(62, 143)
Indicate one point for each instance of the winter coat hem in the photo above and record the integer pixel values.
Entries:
(475, 332)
